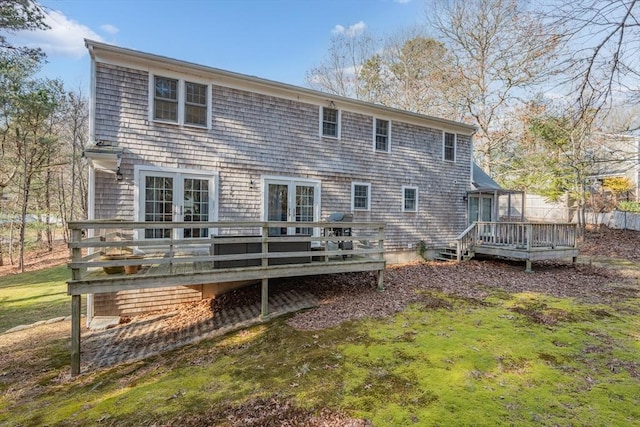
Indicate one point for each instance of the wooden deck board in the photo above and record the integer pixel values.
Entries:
(188, 274)
(534, 254)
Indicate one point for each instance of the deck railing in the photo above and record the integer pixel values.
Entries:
(465, 241)
(519, 235)
(526, 235)
(322, 242)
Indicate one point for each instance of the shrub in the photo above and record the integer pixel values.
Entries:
(628, 206)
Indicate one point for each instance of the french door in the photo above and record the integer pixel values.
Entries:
(293, 201)
(175, 197)
(480, 208)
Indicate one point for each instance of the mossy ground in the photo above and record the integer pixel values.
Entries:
(509, 359)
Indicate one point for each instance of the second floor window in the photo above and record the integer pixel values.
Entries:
(179, 101)
(196, 104)
(381, 135)
(330, 122)
(449, 149)
(166, 99)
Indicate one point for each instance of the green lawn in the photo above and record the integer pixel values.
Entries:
(33, 296)
(510, 359)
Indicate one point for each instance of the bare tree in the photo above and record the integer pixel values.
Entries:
(411, 73)
(72, 186)
(501, 52)
(339, 72)
(602, 39)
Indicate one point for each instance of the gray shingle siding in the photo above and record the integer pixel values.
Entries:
(253, 135)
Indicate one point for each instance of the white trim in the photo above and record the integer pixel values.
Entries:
(178, 174)
(409, 187)
(455, 147)
(182, 90)
(91, 214)
(353, 186)
(321, 123)
(291, 181)
(92, 102)
(375, 119)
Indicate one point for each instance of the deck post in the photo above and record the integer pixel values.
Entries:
(76, 306)
(264, 298)
(380, 287)
(264, 307)
(76, 303)
(528, 267)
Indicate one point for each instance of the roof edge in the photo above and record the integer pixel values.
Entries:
(93, 45)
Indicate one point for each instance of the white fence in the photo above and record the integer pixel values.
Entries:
(616, 219)
(537, 209)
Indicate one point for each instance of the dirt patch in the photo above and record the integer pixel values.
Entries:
(36, 259)
(611, 243)
(273, 411)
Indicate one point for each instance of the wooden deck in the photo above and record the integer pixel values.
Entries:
(519, 240)
(229, 252)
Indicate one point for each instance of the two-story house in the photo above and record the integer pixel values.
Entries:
(177, 141)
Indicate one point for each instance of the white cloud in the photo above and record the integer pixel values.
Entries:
(351, 30)
(110, 29)
(64, 38)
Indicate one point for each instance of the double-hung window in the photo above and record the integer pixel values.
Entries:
(165, 99)
(409, 199)
(381, 135)
(180, 101)
(360, 196)
(449, 146)
(330, 122)
(195, 104)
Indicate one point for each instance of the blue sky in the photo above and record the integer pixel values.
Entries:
(274, 39)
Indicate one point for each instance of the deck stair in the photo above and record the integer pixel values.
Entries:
(447, 254)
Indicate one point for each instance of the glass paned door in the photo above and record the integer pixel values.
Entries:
(167, 197)
(195, 205)
(278, 207)
(158, 205)
(480, 208)
(304, 207)
(487, 204)
(291, 201)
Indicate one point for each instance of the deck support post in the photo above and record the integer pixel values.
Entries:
(380, 280)
(76, 303)
(528, 267)
(264, 311)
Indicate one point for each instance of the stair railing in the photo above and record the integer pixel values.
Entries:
(465, 240)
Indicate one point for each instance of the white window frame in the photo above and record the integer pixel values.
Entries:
(141, 171)
(291, 182)
(455, 146)
(182, 98)
(375, 121)
(404, 198)
(321, 123)
(353, 196)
